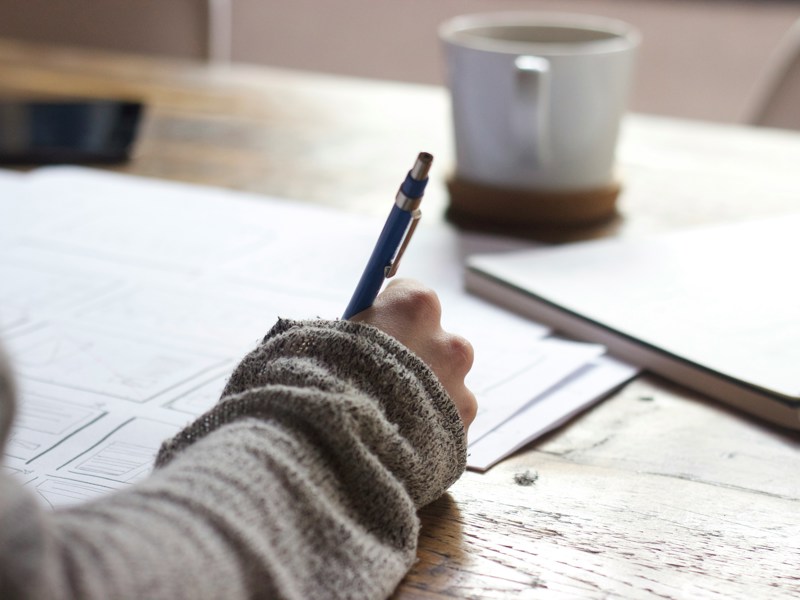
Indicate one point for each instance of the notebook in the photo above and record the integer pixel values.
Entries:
(716, 309)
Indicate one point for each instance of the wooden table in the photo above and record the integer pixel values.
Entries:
(654, 493)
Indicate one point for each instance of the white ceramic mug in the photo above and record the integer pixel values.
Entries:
(538, 98)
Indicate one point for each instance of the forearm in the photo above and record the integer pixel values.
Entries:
(303, 482)
(249, 511)
(365, 393)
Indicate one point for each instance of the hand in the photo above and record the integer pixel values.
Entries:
(411, 314)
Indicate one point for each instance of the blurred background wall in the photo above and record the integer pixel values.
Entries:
(167, 27)
(702, 59)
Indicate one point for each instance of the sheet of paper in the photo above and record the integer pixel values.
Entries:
(522, 372)
(553, 408)
(126, 302)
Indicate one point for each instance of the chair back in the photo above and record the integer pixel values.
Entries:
(777, 103)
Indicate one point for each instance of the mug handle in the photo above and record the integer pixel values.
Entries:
(531, 107)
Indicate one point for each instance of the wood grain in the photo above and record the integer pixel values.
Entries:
(654, 493)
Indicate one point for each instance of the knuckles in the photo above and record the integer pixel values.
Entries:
(420, 302)
(459, 352)
(468, 409)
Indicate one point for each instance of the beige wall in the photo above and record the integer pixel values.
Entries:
(700, 58)
(170, 27)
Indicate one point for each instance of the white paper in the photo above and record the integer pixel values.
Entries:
(550, 410)
(511, 378)
(126, 302)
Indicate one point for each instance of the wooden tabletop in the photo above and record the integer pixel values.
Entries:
(655, 492)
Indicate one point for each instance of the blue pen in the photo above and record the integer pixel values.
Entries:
(394, 238)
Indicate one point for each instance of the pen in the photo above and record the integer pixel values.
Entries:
(394, 237)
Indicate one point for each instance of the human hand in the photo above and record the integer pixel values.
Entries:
(411, 313)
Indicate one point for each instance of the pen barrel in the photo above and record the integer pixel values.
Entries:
(375, 272)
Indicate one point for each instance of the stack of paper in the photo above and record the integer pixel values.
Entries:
(126, 302)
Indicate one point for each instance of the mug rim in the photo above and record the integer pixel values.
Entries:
(622, 35)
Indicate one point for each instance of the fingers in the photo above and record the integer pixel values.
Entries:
(466, 403)
(411, 313)
(460, 353)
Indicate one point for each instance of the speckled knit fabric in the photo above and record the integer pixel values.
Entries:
(303, 482)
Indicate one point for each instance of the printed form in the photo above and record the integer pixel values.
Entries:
(126, 302)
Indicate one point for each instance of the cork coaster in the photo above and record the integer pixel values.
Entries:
(529, 213)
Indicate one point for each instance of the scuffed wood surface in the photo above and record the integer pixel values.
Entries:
(654, 493)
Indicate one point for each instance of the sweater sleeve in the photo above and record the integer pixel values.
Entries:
(303, 482)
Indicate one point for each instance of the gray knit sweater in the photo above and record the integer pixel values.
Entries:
(303, 482)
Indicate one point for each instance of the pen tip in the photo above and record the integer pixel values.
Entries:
(422, 165)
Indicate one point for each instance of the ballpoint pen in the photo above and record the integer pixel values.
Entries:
(394, 237)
